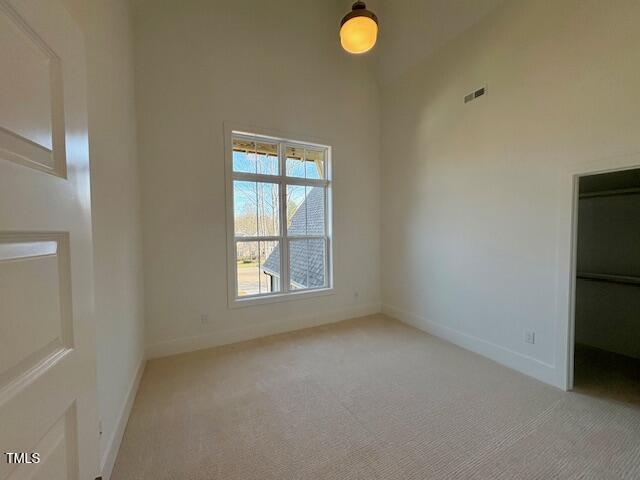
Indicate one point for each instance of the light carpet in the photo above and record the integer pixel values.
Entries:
(368, 399)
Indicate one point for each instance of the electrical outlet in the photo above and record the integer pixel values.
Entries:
(529, 336)
(204, 318)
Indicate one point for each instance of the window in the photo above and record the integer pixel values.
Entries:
(280, 235)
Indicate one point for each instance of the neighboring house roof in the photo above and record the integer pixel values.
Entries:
(309, 219)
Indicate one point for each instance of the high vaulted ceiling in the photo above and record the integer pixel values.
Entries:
(411, 30)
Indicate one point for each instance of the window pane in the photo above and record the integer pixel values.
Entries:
(256, 209)
(244, 156)
(305, 210)
(298, 264)
(305, 162)
(307, 264)
(248, 272)
(314, 164)
(314, 203)
(267, 158)
(258, 267)
(268, 204)
(245, 208)
(316, 251)
(295, 162)
(296, 210)
(269, 267)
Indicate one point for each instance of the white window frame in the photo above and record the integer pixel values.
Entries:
(283, 238)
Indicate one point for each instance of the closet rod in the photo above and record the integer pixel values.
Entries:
(605, 277)
(611, 193)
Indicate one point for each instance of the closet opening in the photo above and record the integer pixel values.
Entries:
(607, 287)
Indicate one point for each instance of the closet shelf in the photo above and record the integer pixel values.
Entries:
(606, 277)
(611, 193)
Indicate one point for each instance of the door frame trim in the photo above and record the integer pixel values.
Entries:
(566, 253)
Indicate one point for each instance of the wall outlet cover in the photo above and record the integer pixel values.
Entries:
(530, 336)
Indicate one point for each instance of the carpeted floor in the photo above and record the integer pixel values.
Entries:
(366, 399)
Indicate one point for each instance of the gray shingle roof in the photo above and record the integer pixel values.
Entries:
(307, 256)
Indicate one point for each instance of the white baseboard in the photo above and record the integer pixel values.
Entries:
(242, 333)
(113, 446)
(533, 367)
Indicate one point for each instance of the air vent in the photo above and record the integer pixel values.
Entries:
(475, 94)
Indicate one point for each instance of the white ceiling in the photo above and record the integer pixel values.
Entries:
(411, 30)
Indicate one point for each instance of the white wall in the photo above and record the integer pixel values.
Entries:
(117, 231)
(276, 65)
(470, 192)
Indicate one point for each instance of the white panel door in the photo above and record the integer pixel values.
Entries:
(48, 399)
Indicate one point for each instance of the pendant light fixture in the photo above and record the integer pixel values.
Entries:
(358, 29)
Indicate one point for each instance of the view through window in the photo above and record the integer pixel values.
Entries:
(280, 206)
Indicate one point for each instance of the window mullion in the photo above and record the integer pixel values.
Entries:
(311, 182)
(257, 239)
(284, 245)
(306, 237)
(257, 177)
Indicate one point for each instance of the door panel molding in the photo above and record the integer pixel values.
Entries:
(42, 148)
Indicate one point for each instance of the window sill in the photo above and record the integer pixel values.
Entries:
(282, 297)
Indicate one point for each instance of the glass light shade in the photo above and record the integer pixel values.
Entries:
(358, 34)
